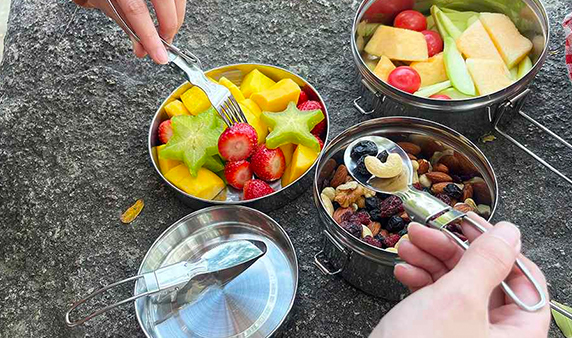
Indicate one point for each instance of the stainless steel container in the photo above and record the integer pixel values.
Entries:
(368, 268)
(236, 73)
(474, 116)
(254, 304)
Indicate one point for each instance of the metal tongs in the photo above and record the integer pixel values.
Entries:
(429, 210)
(219, 265)
(220, 97)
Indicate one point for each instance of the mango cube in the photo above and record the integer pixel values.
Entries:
(176, 108)
(512, 46)
(166, 165)
(431, 71)
(489, 75)
(475, 43)
(383, 68)
(207, 185)
(255, 82)
(256, 123)
(195, 100)
(288, 151)
(398, 44)
(253, 107)
(302, 160)
(234, 91)
(277, 97)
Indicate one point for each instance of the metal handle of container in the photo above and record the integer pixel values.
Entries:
(105, 308)
(321, 266)
(515, 104)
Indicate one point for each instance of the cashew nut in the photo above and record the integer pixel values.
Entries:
(391, 168)
(365, 231)
(425, 181)
(329, 192)
(327, 204)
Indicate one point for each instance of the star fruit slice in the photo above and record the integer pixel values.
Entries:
(194, 140)
(292, 126)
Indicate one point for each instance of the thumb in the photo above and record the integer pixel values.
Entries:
(490, 258)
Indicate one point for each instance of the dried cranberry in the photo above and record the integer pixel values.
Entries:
(361, 217)
(383, 156)
(395, 224)
(380, 238)
(418, 186)
(391, 206)
(347, 215)
(391, 240)
(372, 203)
(364, 148)
(372, 241)
(353, 228)
(444, 198)
(453, 191)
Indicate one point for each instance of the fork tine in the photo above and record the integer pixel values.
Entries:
(222, 111)
(238, 111)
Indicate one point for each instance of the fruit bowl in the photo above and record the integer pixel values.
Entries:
(204, 186)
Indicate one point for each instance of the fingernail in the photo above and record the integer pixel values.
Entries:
(161, 55)
(404, 265)
(508, 233)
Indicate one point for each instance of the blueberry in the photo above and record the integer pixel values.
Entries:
(453, 191)
(375, 215)
(371, 203)
(361, 168)
(395, 224)
(364, 148)
(383, 156)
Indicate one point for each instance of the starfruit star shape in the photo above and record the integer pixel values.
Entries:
(292, 126)
(194, 140)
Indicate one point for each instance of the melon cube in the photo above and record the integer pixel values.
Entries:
(207, 185)
(255, 82)
(383, 68)
(512, 46)
(176, 108)
(475, 43)
(489, 75)
(195, 100)
(302, 159)
(398, 44)
(277, 97)
(232, 88)
(256, 123)
(431, 71)
(165, 165)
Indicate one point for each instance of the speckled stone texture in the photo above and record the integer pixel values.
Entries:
(75, 108)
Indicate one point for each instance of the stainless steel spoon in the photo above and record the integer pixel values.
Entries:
(427, 209)
(220, 265)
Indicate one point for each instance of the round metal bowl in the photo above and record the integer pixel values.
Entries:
(368, 268)
(236, 73)
(254, 304)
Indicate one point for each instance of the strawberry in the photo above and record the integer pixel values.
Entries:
(165, 131)
(313, 105)
(255, 189)
(237, 142)
(303, 97)
(319, 140)
(237, 173)
(268, 164)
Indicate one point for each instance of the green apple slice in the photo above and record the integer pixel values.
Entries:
(433, 89)
(457, 69)
(454, 94)
(448, 25)
(524, 67)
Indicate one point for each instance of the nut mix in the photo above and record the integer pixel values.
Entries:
(379, 219)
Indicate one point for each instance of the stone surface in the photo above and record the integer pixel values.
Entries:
(74, 113)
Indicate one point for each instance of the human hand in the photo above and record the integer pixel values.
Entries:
(457, 293)
(170, 15)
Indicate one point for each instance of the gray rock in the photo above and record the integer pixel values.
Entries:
(74, 113)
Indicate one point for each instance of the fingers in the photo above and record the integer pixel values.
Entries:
(490, 258)
(167, 16)
(181, 9)
(436, 243)
(413, 255)
(138, 17)
(413, 277)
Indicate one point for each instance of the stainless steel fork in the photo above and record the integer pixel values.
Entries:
(219, 96)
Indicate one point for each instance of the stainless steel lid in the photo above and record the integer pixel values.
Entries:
(254, 304)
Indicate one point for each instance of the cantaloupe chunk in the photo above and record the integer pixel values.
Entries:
(206, 185)
(302, 159)
(489, 75)
(431, 71)
(512, 46)
(398, 44)
(475, 43)
(383, 68)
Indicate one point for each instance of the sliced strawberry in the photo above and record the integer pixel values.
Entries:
(303, 97)
(268, 164)
(310, 105)
(237, 142)
(320, 128)
(319, 140)
(237, 173)
(255, 189)
(165, 131)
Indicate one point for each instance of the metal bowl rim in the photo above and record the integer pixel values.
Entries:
(173, 226)
(414, 121)
(241, 202)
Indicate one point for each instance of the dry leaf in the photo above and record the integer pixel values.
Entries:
(488, 138)
(130, 214)
(563, 322)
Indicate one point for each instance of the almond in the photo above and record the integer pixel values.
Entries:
(410, 148)
(423, 167)
(451, 162)
(466, 167)
(467, 191)
(463, 207)
(340, 176)
(440, 167)
(438, 177)
(481, 193)
(411, 157)
(439, 188)
(375, 227)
